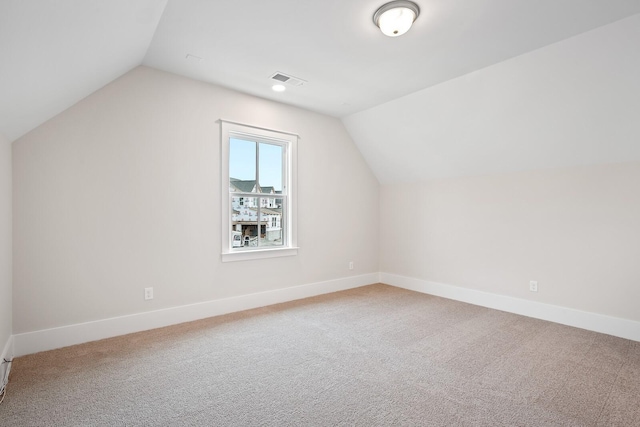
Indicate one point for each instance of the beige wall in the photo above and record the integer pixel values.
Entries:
(576, 231)
(122, 192)
(5, 243)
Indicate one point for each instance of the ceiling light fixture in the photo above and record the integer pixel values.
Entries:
(396, 17)
(278, 88)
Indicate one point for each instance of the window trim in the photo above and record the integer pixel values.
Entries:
(235, 129)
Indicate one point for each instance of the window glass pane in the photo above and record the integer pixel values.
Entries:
(244, 222)
(270, 167)
(271, 223)
(242, 165)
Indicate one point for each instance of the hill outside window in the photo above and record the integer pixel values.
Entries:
(258, 192)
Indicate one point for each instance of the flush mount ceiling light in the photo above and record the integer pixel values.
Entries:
(396, 17)
(278, 88)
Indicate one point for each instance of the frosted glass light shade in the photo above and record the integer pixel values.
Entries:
(396, 18)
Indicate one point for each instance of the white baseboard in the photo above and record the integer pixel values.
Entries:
(615, 326)
(7, 354)
(49, 339)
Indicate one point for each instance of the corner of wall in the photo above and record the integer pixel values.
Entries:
(6, 307)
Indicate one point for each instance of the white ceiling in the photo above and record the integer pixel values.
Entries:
(573, 103)
(348, 63)
(55, 52)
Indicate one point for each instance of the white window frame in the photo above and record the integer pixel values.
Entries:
(289, 218)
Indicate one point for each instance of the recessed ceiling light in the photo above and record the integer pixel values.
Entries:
(278, 88)
(396, 17)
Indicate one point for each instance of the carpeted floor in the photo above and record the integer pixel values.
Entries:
(371, 356)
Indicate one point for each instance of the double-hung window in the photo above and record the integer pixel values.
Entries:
(258, 192)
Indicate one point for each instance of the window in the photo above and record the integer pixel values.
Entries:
(258, 192)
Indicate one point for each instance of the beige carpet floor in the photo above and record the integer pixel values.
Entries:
(373, 356)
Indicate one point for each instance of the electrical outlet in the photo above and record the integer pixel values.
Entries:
(350, 265)
(533, 286)
(148, 293)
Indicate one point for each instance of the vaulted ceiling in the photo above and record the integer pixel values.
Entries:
(392, 93)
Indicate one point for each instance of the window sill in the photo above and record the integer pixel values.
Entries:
(258, 254)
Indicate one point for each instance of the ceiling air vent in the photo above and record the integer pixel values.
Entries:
(289, 80)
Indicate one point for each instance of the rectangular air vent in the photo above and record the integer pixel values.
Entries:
(289, 80)
(280, 77)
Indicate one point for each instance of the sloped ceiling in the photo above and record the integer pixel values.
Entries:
(390, 92)
(573, 103)
(53, 53)
(348, 63)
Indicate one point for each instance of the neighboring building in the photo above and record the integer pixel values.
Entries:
(245, 214)
(269, 202)
(248, 186)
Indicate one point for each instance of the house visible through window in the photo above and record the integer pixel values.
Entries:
(259, 195)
